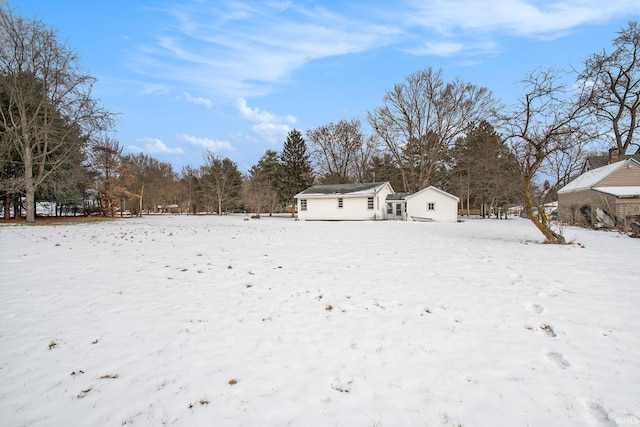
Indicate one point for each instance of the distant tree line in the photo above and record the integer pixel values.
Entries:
(54, 142)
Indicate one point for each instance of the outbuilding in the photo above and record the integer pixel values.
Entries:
(428, 204)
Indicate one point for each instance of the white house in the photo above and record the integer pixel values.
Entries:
(344, 201)
(428, 204)
(375, 201)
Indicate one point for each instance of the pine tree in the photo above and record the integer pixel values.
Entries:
(297, 173)
(261, 187)
(485, 170)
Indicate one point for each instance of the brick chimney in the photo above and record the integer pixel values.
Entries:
(613, 155)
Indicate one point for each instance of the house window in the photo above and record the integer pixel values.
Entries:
(431, 206)
(303, 204)
(389, 208)
(340, 203)
(370, 203)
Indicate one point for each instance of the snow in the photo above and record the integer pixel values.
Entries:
(207, 320)
(628, 191)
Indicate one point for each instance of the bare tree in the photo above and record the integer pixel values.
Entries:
(340, 151)
(153, 182)
(615, 78)
(421, 118)
(48, 98)
(547, 120)
(106, 154)
(191, 184)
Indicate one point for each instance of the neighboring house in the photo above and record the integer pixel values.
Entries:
(344, 201)
(428, 204)
(614, 188)
(597, 161)
(375, 201)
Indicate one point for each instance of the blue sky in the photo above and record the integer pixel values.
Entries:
(234, 77)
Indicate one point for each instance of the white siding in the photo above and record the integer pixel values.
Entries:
(445, 205)
(354, 207)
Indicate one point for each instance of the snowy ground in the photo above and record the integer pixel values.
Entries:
(193, 321)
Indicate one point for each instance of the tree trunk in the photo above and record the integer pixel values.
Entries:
(540, 221)
(29, 183)
(140, 205)
(7, 206)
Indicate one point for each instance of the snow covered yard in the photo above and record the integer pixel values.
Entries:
(189, 321)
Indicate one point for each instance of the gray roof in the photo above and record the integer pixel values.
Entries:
(367, 187)
(397, 196)
(598, 161)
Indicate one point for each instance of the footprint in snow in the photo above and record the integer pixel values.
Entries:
(558, 359)
(535, 308)
(547, 330)
(596, 413)
(343, 385)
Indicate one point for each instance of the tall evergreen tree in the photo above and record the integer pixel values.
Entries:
(485, 172)
(297, 173)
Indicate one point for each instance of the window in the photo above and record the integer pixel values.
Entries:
(303, 204)
(340, 203)
(389, 208)
(431, 206)
(370, 203)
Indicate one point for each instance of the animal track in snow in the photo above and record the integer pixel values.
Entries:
(558, 359)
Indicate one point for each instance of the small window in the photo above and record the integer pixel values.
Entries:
(370, 203)
(431, 206)
(303, 204)
(389, 208)
(340, 203)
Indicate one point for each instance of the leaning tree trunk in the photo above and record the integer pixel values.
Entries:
(540, 221)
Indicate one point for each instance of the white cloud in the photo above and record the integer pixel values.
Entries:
(520, 17)
(235, 49)
(256, 115)
(269, 127)
(438, 48)
(154, 146)
(198, 100)
(272, 132)
(209, 144)
(244, 49)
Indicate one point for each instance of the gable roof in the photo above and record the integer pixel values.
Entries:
(587, 180)
(344, 189)
(437, 190)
